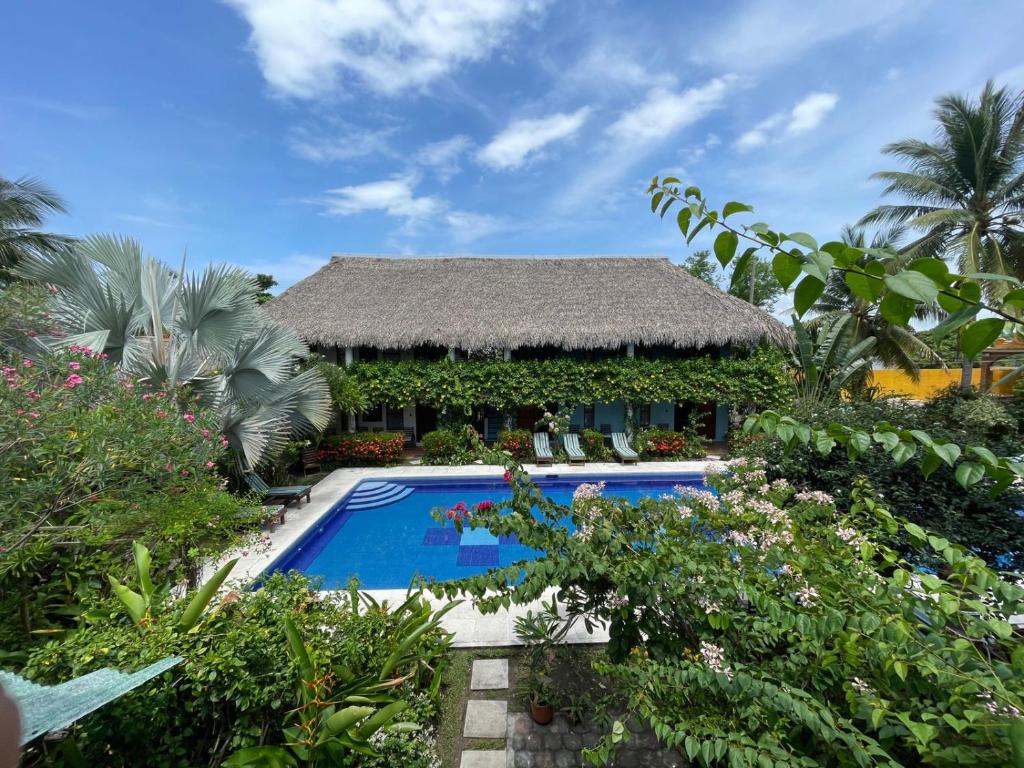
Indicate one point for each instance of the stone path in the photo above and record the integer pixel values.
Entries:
(528, 745)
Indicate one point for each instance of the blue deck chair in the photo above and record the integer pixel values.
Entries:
(542, 448)
(285, 493)
(623, 450)
(571, 443)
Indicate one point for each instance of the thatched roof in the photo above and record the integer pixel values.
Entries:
(477, 302)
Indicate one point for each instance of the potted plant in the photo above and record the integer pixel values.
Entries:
(540, 632)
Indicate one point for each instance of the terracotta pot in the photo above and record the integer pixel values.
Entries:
(541, 713)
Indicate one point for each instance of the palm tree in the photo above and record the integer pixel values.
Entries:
(172, 328)
(895, 346)
(829, 362)
(964, 191)
(24, 205)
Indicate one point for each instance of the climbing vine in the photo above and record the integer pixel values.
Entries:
(758, 378)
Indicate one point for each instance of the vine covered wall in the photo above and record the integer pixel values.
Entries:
(758, 378)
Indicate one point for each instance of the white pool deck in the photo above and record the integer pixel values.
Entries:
(471, 628)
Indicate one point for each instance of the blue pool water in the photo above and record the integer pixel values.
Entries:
(383, 532)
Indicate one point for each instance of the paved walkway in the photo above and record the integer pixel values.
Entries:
(528, 745)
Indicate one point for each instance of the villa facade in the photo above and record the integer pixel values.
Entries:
(367, 309)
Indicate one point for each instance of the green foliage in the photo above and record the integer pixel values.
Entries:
(444, 446)
(346, 394)
(264, 283)
(240, 681)
(592, 443)
(361, 449)
(974, 517)
(90, 462)
(759, 625)
(655, 443)
(24, 205)
(462, 386)
(828, 364)
(766, 286)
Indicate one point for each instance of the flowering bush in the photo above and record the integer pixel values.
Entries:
(592, 443)
(554, 423)
(362, 449)
(654, 443)
(752, 625)
(89, 461)
(517, 442)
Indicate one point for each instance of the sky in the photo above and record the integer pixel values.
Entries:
(273, 133)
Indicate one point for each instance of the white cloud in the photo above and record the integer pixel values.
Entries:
(467, 226)
(664, 112)
(393, 196)
(805, 116)
(742, 40)
(522, 138)
(308, 48)
(810, 111)
(443, 156)
(342, 142)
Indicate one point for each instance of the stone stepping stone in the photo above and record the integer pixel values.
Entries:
(489, 675)
(483, 758)
(485, 719)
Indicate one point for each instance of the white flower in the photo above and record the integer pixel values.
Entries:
(714, 657)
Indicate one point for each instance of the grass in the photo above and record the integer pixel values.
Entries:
(455, 693)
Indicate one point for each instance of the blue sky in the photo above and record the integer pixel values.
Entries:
(272, 133)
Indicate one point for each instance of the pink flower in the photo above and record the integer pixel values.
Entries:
(32, 395)
(74, 365)
(210, 465)
(206, 434)
(128, 385)
(189, 418)
(223, 442)
(508, 476)
(184, 473)
(73, 381)
(161, 413)
(169, 467)
(147, 396)
(27, 363)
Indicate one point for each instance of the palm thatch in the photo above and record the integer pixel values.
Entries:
(474, 303)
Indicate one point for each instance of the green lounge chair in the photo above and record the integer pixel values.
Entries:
(542, 448)
(286, 494)
(622, 449)
(571, 443)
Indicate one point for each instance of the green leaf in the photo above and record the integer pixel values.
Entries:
(897, 309)
(382, 718)
(936, 269)
(913, 285)
(704, 222)
(802, 238)
(742, 267)
(346, 718)
(683, 219)
(903, 452)
(977, 337)
(725, 247)
(656, 200)
(204, 595)
(143, 565)
(819, 264)
(807, 292)
(133, 602)
(786, 268)
(969, 473)
(692, 192)
(984, 454)
(930, 463)
(1014, 298)
(948, 452)
(734, 207)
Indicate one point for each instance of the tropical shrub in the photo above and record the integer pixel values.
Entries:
(459, 445)
(757, 625)
(592, 443)
(90, 461)
(655, 443)
(238, 681)
(517, 442)
(361, 449)
(985, 523)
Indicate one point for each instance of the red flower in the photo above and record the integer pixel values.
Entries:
(508, 476)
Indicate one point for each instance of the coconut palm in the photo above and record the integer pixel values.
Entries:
(829, 362)
(24, 205)
(895, 346)
(172, 328)
(964, 191)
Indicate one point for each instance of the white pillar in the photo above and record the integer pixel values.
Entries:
(631, 350)
(451, 354)
(507, 354)
(350, 355)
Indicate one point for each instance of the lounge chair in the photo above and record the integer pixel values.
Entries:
(622, 449)
(542, 448)
(571, 443)
(285, 494)
(310, 460)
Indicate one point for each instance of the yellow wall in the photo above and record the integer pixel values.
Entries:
(932, 381)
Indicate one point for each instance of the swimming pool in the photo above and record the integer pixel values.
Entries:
(383, 533)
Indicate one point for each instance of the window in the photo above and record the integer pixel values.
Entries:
(588, 416)
(644, 415)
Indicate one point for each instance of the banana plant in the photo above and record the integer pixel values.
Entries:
(172, 328)
(142, 605)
